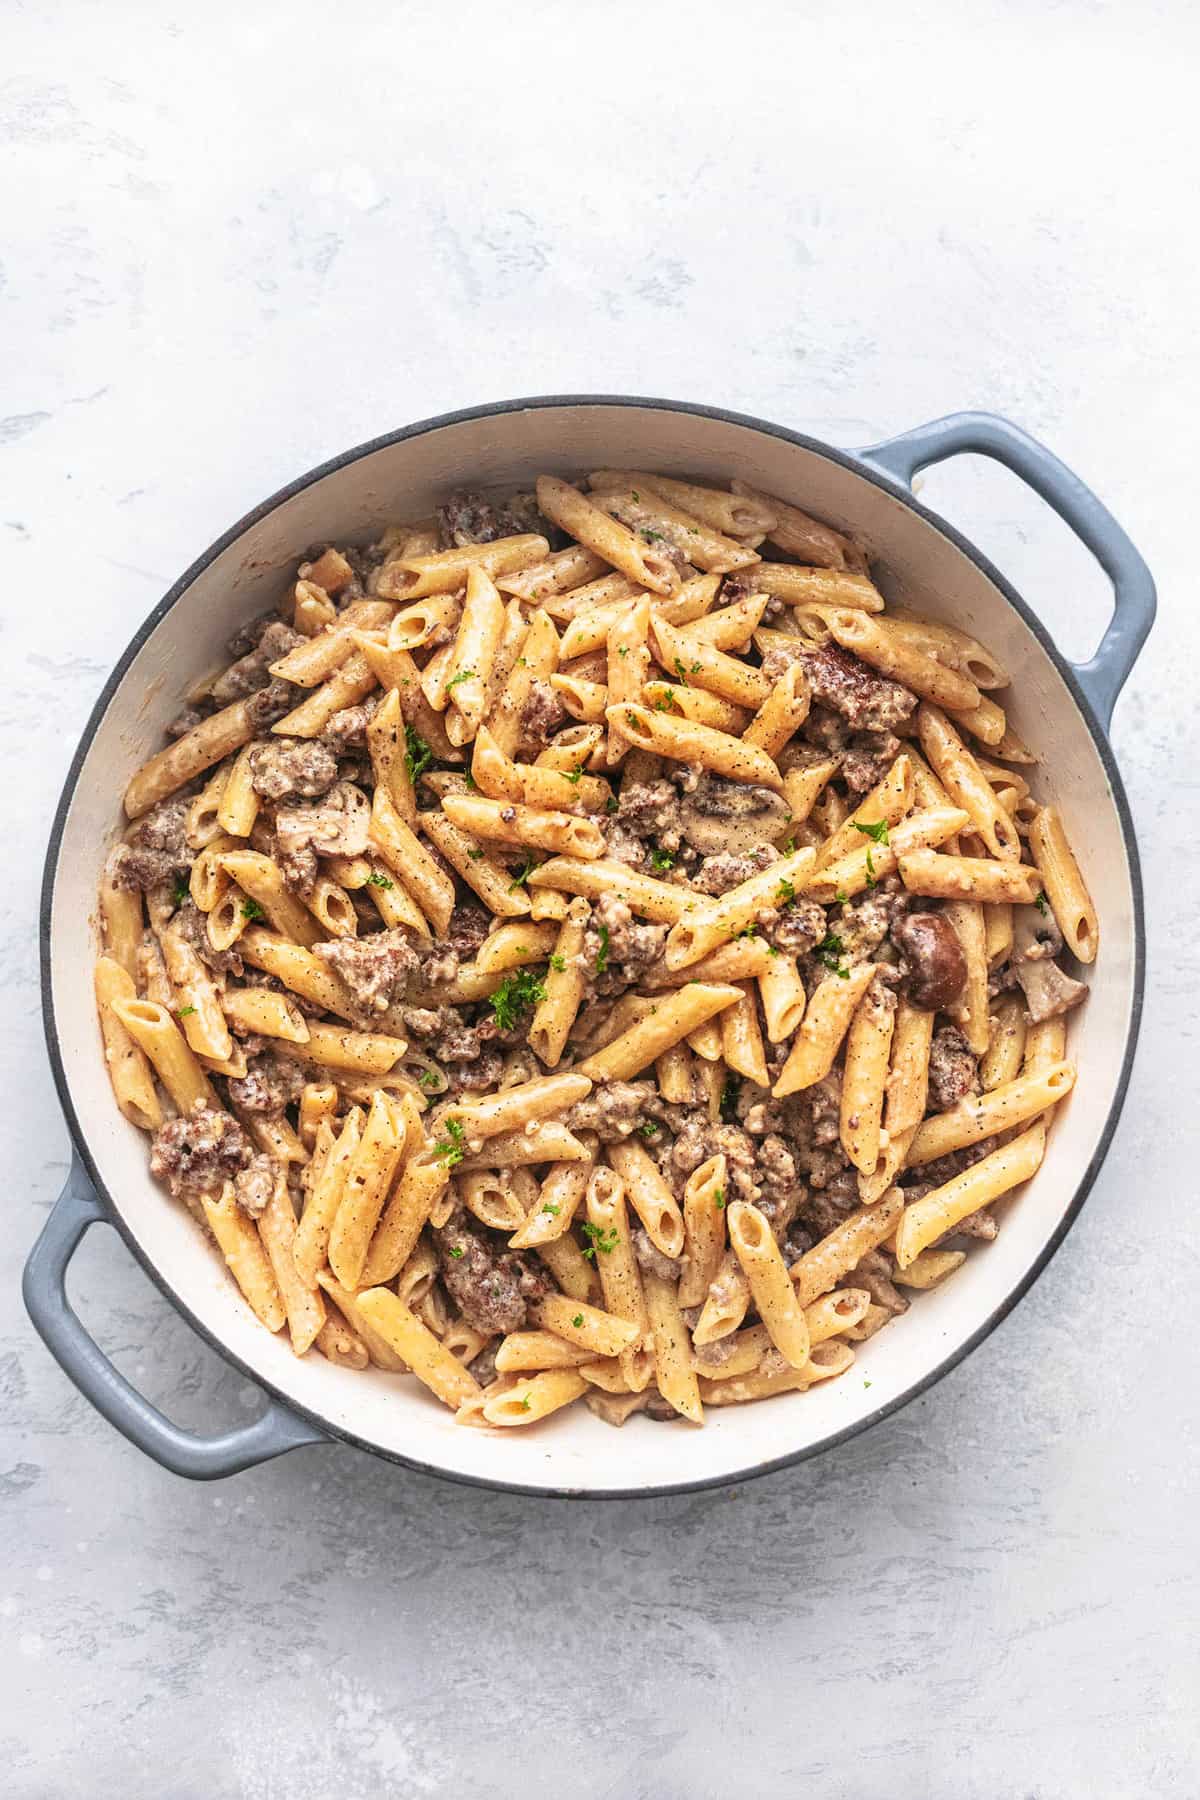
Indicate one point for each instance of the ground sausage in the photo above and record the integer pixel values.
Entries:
(199, 1153)
(490, 1287)
(616, 949)
(252, 671)
(270, 1085)
(615, 1109)
(156, 850)
(254, 1185)
(376, 971)
(287, 766)
(867, 701)
(953, 1069)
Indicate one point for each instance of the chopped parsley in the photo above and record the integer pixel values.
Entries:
(526, 1403)
(418, 755)
(516, 993)
(662, 859)
(522, 662)
(463, 675)
(785, 893)
(611, 804)
(602, 1238)
(452, 1148)
(719, 1199)
(428, 1078)
(1040, 903)
(680, 670)
(878, 833)
(458, 1252)
(577, 1321)
(747, 931)
(522, 875)
(186, 1011)
(558, 963)
(470, 781)
(789, 845)
(696, 668)
(624, 650)
(602, 953)
(575, 775)
(548, 1206)
(648, 1130)
(841, 898)
(866, 1384)
(829, 951)
(475, 855)
(180, 891)
(377, 879)
(651, 537)
(252, 910)
(870, 868)
(729, 1095)
(634, 495)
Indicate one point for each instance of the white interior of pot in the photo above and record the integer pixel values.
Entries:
(574, 1450)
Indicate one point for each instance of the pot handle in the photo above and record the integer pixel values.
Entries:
(986, 434)
(77, 1208)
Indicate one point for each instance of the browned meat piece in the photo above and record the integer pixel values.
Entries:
(736, 816)
(469, 926)
(270, 1085)
(254, 1185)
(347, 730)
(868, 757)
(862, 925)
(192, 926)
(186, 721)
(252, 671)
(717, 874)
(483, 1368)
(467, 518)
(937, 1173)
(953, 1069)
(198, 1154)
(337, 825)
(468, 1053)
(697, 1138)
(934, 964)
(616, 949)
(650, 809)
(781, 1192)
(270, 703)
(795, 928)
(650, 1258)
(491, 1287)
(615, 1109)
(867, 701)
(874, 1272)
(156, 850)
(541, 716)
(285, 766)
(621, 846)
(826, 731)
(377, 971)
(248, 635)
(827, 1207)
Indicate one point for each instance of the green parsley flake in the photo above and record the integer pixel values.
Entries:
(522, 875)
(719, 1199)
(180, 891)
(841, 897)
(252, 910)
(634, 495)
(1040, 903)
(379, 880)
(610, 805)
(526, 1403)
(648, 1130)
(428, 1078)
(558, 964)
(463, 675)
(575, 775)
(624, 650)
(789, 846)
(418, 756)
(662, 859)
(548, 1206)
(602, 953)
(451, 1149)
(878, 833)
(785, 893)
(577, 1321)
(829, 951)
(680, 670)
(602, 1238)
(871, 882)
(185, 1012)
(475, 855)
(458, 1252)
(516, 993)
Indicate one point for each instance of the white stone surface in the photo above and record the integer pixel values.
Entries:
(240, 238)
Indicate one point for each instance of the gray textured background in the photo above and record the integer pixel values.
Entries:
(238, 238)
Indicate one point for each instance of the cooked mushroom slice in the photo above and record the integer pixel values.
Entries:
(336, 825)
(731, 815)
(935, 966)
(1036, 942)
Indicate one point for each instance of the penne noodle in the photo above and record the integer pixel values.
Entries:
(127, 1063)
(244, 1253)
(631, 555)
(1065, 887)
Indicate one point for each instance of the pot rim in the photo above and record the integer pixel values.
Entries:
(856, 464)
